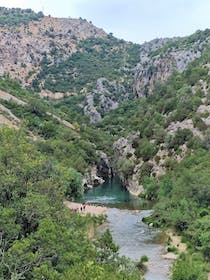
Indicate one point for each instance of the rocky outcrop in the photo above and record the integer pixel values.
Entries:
(132, 183)
(123, 146)
(99, 172)
(91, 179)
(160, 57)
(106, 96)
(9, 97)
(187, 123)
(90, 110)
(23, 47)
(125, 164)
(104, 168)
(53, 96)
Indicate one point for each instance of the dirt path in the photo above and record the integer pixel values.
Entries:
(9, 97)
(89, 209)
(175, 242)
(6, 96)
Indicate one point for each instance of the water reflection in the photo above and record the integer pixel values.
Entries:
(113, 194)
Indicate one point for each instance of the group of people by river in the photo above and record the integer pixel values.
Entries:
(82, 207)
(86, 208)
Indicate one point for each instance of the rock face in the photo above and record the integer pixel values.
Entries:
(90, 110)
(104, 168)
(23, 47)
(187, 123)
(103, 98)
(28, 51)
(98, 173)
(125, 166)
(160, 57)
(132, 183)
(91, 179)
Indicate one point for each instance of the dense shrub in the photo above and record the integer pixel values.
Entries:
(17, 16)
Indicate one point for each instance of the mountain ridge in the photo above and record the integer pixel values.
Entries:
(141, 112)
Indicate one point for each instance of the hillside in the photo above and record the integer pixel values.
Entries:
(71, 58)
(83, 105)
(26, 44)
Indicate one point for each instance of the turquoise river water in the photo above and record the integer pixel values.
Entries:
(135, 239)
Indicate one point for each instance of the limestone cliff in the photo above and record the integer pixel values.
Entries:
(24, 46)
(160, 57)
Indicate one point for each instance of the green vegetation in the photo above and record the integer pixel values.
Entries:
(16, 16)
(141, 264)
(39, 237)
(185, 42)
(189, 267)
(13, 86)
(73, 148)
(183, 197)
(95, 58)
(190, 181)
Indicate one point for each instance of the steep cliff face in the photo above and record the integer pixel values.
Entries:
(126, 165)
(160, 57)
(99, 172)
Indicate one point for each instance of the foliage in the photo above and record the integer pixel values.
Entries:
(198, 36)
(95, 58)
(42, 240)
(181, 137)
(141, 264)
(145, 149)
(16, 16)
(39, 237)
(13, 86)
(184, 198)
(77, 150)
(188, 268)
(125, 167)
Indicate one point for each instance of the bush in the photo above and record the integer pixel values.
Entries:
(145, 149)
(199, 123)
(188, 269)
(125, 167)
(145, 171)
(181, 137)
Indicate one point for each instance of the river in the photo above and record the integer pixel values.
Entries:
(135, 239)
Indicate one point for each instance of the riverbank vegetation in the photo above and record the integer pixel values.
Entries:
(183, 197)
(44, 161)
(40, 238)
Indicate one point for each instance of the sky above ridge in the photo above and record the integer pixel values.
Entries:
(133, 20)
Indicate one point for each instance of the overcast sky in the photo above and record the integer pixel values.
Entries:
(132, 20)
